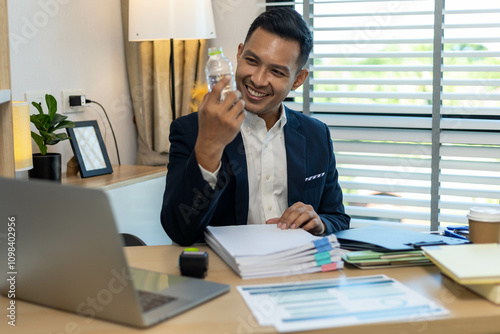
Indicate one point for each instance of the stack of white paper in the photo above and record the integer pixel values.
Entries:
(254, 251)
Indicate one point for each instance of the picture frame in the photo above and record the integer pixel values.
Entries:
(89, 149)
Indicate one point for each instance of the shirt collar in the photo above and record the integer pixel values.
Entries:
(251, 120)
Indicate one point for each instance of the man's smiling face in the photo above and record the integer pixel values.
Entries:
(267, 71)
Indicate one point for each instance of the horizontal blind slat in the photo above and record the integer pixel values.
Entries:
(375, 121)
(465, 192)
(404, 68)
(397, 214)
(371, 95)
(379, 27)
(382, 199)
(377, 172)
(419, 82)
(471, 124)
(320, 108)
(373, 41)
(471, 152)
(409, 135)
(470, 137)
(382, 174)
(371, 14)
(414, 54)
(385, 148)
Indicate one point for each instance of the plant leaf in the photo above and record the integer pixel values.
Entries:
(51, 105)
(39, 142)
(58, 118)
(54, 138)
(65, 124)
(40, 121)
(38, 106)
(62, 136)
(46, 124)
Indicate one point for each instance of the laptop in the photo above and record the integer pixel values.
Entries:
(69, 256)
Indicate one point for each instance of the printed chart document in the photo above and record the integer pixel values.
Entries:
(309, 305)
(254, 251)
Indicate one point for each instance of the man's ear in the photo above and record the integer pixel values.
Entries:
(240, 51)
(300, 78)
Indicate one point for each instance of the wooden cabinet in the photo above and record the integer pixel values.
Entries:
(136, 196)
(6, 131)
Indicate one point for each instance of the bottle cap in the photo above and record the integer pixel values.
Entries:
(215, 50)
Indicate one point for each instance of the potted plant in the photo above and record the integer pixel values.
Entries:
(48, 165)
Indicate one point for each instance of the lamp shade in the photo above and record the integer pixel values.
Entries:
(22, 136)
(170, 19)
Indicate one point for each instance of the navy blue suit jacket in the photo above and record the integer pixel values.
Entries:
(190, 204)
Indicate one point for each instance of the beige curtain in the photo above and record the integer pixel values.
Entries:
(148, 70)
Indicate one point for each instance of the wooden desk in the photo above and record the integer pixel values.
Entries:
(229, 313)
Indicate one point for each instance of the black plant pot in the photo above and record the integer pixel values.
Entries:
(47, 167)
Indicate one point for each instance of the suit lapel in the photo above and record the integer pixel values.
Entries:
(295, 144)
(235, 153)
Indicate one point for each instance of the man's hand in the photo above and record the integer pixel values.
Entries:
(299, 215)
(219, 123)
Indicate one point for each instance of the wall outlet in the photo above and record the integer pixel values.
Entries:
(36, 96)
(65, 94)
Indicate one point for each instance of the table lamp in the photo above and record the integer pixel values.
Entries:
(151, 20)
(22, 136)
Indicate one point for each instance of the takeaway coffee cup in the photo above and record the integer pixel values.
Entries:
(484, 225)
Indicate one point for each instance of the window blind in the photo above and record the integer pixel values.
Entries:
(410, 91)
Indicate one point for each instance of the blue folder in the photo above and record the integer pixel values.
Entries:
(380, 238)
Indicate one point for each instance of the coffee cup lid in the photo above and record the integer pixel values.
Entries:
(485, 214)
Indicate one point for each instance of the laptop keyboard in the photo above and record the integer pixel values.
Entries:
(150, 301)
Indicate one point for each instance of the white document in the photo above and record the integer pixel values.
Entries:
(254, 251)
(309, 305)
(257, 240)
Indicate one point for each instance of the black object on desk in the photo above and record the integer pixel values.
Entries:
(193, 263)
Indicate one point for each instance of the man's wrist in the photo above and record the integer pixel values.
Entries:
(321, 228)
(208, 157)
(210, 177)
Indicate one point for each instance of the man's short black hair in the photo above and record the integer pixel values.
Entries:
(286, 23)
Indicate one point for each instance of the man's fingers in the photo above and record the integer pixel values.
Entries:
(273, 221)
(215, 94)
(299, 215)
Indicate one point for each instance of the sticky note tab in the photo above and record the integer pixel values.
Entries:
(329, 267)
(322, 258)
(321, 242)
(325, 248)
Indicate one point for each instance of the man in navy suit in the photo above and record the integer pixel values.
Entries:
(249, 159)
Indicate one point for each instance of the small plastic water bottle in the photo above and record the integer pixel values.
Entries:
(219, 66)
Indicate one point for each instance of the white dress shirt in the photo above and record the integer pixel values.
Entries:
(267, 169)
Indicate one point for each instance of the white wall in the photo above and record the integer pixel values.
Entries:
(74, 44)
(232, 20)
